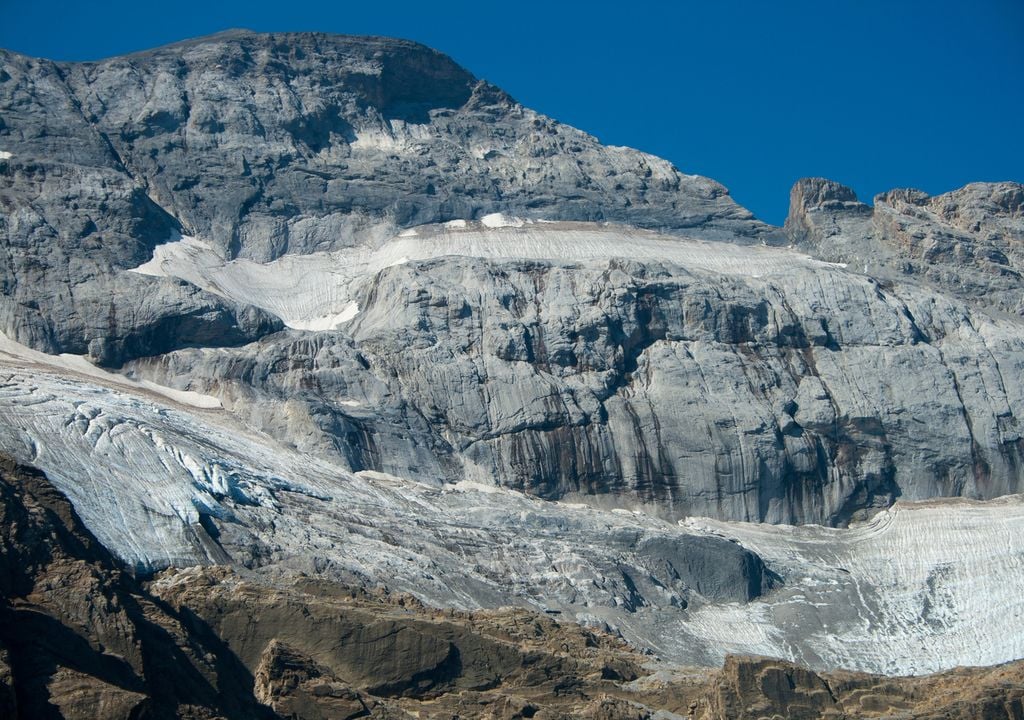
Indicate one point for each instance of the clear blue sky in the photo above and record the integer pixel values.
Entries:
(873, 93)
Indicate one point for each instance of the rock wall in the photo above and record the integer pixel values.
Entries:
(785, 390)
(804, 395)
(269, 144)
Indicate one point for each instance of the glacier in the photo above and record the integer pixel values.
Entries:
(921, 587)
(316, 291)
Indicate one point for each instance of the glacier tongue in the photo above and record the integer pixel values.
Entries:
(918, 588)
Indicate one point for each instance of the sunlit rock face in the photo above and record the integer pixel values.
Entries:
(968, 243)
(475, 291)
(691, 377)
(332, 304)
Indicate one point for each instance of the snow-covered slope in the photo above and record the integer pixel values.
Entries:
(904, 593)
(317, 291)
(158, 480)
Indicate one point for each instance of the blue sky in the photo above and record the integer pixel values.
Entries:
(874, 94)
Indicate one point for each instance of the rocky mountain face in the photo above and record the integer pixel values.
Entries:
(764, 388)
(80, 638)
(267, 144)
(798, 394)
(332, 305)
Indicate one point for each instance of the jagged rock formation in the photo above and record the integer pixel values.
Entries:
(537, 358)
(968, 242)
(82, 639)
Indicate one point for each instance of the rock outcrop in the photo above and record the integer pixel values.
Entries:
(748, 688)
(81, 638)
(968, 243)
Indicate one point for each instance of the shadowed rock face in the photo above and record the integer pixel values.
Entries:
(82, 639)
(759, 687)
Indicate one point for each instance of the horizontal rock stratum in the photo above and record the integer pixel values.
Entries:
(330, 304)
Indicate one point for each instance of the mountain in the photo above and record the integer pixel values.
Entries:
(298, 303)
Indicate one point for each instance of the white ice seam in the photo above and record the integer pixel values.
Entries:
(317, 292)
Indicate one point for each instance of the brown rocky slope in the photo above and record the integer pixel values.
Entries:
(81, 638)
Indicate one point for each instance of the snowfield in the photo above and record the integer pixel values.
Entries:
(921, 587)
(318, 291)
(904, 593)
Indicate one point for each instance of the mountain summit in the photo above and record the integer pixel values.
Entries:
(299, 303)
(273, 144)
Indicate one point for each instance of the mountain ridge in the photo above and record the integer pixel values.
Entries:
(303, 303)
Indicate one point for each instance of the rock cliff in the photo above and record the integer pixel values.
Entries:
(298, 302)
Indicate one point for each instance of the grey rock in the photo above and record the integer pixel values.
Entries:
(788, 392)
(715, 568)
(809, 395)
(72, 219)
(268, 144)
(968, 243)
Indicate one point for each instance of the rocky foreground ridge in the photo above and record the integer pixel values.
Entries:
(80, 638)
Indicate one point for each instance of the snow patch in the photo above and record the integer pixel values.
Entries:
(16, 354)
(327, 322)
(466, 486)
(4, 155)
(178, 251)
(499, 220)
